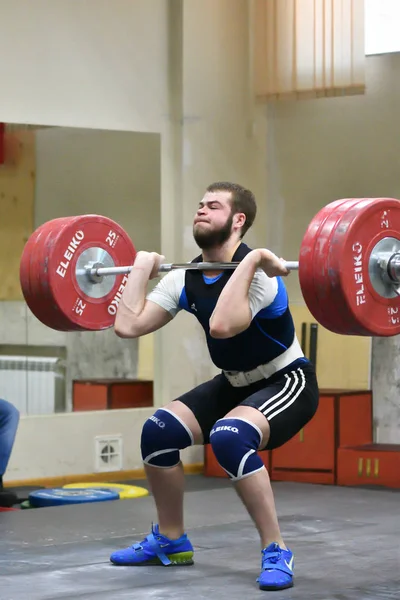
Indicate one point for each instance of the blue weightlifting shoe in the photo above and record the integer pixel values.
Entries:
(156, 549)
(276, 568)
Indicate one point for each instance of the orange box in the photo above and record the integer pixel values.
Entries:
(309, 457)
(372, 464)
(213, 469)
(355, 417)
(108, 394)
(343, 417)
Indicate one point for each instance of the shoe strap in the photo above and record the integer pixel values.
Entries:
(279, 565)
(155, 546)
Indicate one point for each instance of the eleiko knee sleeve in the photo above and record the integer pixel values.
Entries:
(163, 435)
(235, 443)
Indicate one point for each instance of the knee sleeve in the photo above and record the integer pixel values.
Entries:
(235, 443)
(163, 435)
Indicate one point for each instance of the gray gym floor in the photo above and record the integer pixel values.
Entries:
(346, 543)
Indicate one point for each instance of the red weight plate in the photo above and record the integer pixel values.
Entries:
(308, 253)
(343, 321)
(33, 298)
(46, 309)
(41, 303)
(30, 275)
(369, 222)
(25, 267)
(335, 315)
(91, 306)
(40, 300)
(312, 252)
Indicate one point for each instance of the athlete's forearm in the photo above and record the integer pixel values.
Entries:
(134, 295)
(232, 313)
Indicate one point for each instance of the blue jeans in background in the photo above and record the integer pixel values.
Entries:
(9, 419)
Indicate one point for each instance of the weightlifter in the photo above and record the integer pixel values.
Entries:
(266, 392)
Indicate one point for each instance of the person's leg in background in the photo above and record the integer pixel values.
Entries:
(9, 420)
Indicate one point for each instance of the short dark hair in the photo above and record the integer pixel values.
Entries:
(243, 201)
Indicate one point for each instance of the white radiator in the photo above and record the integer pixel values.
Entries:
(30, 383)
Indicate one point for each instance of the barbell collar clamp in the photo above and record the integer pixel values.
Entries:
(393, 267)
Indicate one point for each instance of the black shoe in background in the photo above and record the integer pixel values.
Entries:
(7, 498)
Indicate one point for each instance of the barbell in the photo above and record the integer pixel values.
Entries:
(73, 270)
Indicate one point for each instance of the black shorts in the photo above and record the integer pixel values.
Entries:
(288, 399)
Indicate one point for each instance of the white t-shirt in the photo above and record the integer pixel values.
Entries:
(168, 290)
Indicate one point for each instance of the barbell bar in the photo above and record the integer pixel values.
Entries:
(388, 262)
(96, 271)
(72, 269)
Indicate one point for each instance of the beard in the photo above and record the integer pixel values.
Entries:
(212, 239)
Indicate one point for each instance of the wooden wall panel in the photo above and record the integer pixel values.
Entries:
(17, 194)
(342, 361)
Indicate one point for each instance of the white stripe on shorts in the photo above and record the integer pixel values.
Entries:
(288, 394)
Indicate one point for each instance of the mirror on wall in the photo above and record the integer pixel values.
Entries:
(47, 173)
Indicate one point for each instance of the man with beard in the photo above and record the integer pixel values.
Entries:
(266, 392)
